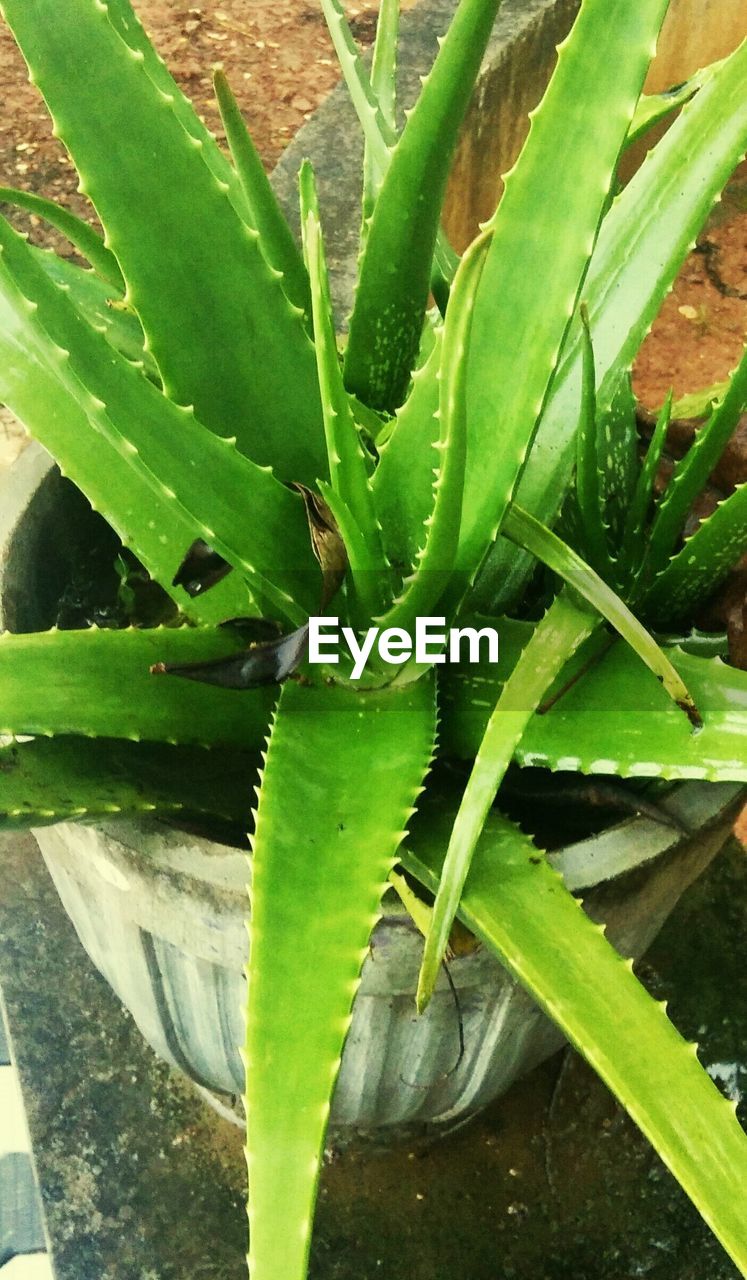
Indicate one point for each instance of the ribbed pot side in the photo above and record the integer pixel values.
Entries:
(161, 914)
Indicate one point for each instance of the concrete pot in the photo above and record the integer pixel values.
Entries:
(161, 913)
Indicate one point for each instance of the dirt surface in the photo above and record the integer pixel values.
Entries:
(701, 329)
(276, 53)
(279, 60)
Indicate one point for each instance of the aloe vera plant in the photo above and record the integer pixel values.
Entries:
(191, 385)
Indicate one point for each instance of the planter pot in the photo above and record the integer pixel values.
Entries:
(161, 913)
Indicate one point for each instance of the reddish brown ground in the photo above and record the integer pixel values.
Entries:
(276, 53)
(700, 332)
(280, 62)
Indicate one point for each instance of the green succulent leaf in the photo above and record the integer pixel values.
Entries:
(134, 436)
(71, 682)
(691, 472)
(102, 306)
(635, 261)
(379, 133)
(701, 565)
(347, 466)
(70, 778)
(384, 61)
(559, 557)
(376, 426)
(435, 560)
(81, 235)
(636, 523)
(276, 237)
(220, 328)
(395, 272)
(554, 640)
(588, 487)
(618, 459)
(541, 250)
(697, 403)
(705, 644)
(606, 715)
(384, 91)
(31, 384)
(403, 479)
(517, 905)
(686, 171)
(653, 108)
(130, 29)
(314, 902)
